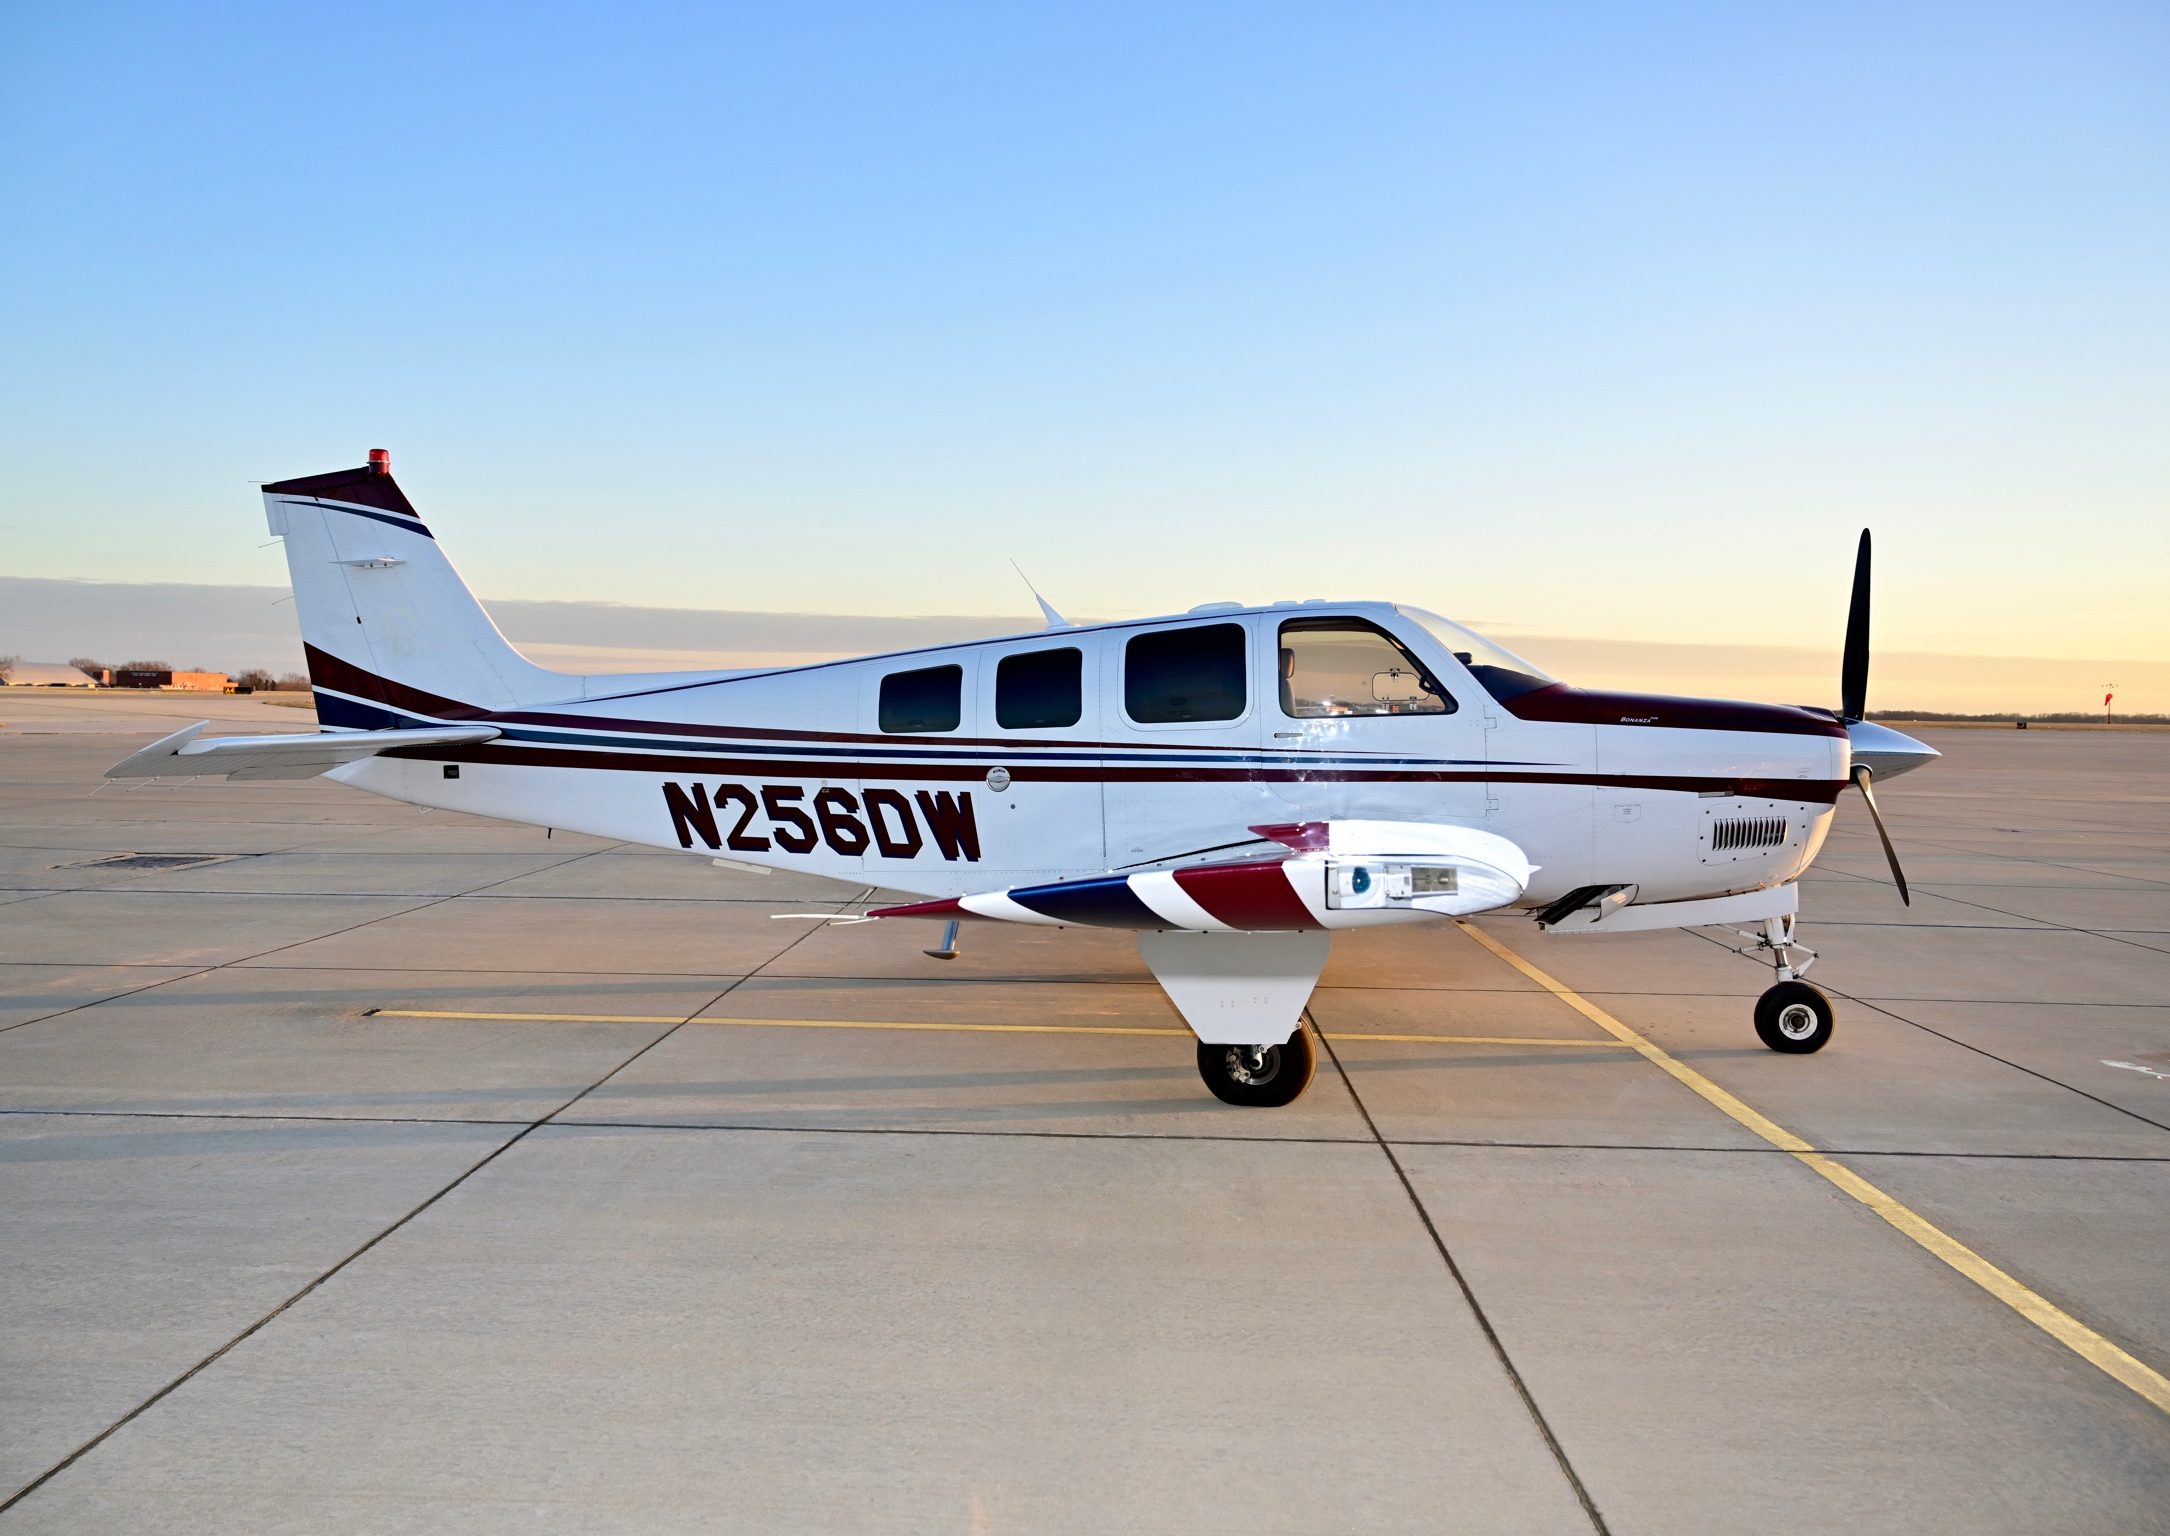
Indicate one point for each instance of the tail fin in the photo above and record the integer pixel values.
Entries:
(390, 629)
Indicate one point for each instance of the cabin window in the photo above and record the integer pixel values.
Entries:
(1185, 675)
(1332, 667)
(929, 699)
(1038, 689)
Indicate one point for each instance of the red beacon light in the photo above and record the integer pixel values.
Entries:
(380, 461)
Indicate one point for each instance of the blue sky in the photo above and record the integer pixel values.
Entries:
(1577, 320)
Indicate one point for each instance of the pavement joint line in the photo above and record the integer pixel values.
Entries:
(1469, 1143)
(921, 1026)
(735, 984)
(1968, 1045)
(739, 1129)
(252, 1329)
(1461, 1281)
(2020, 858)
(2043, 923)
(249, 963)
(2112, 1361)
(722, 1126)
(194, 972)
(2007, 1061)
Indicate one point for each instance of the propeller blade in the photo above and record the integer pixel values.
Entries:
(1853, 686)
(1861, 777)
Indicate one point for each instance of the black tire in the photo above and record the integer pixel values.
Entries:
(1794, 1018)
(1237, 1075)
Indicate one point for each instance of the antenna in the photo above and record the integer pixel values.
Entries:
(1047, 609)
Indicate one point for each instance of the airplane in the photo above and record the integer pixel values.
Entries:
(1234, 784)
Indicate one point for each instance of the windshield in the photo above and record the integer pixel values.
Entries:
(1502, 673)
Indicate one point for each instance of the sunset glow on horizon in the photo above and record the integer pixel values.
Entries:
(1606, 328)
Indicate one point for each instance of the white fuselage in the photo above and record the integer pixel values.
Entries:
(794, 769)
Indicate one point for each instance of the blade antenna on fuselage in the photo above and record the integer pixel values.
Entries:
(1047, 609)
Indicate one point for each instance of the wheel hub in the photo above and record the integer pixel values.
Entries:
(1797, 1021)
(1254, 1065)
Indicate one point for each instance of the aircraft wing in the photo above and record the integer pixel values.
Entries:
(1328, 874)
(299, 756)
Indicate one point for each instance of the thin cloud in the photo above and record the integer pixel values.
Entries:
(241, 626)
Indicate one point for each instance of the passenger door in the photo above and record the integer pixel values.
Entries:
(1040, 719)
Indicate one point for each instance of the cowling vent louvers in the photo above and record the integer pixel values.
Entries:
(1747, 832)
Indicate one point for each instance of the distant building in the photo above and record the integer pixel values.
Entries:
(148, 677)
(47, 674)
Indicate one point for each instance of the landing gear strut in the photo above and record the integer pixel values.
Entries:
(1792, 1017)
(1259, 1076)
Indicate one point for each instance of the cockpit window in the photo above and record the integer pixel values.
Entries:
(1502, 673)
(1336, 666)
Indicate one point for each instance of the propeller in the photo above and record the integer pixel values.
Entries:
(1853, 676)
(1853, 688)
(1861, 777)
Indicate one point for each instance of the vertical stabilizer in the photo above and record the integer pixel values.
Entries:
(390, 630)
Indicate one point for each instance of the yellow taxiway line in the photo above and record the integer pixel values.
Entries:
(676, 1018)
(2052, 1320)
(954, 1029)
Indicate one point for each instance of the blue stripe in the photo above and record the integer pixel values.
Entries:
(714, 746)
(334, 710)
(372, 716)
(1108, 902)
(408, 523)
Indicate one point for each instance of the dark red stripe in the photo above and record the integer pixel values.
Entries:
(325, 667)
(853, 738)
(1303, 836)
(1800, 791)
(1555, 704)
(1594, 706)
(948, 906)
(1254, 896)
(329, 671)
(363, 487)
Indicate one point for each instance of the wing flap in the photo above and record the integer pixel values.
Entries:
(188, 752)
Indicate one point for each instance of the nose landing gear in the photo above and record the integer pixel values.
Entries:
(1792, 1017)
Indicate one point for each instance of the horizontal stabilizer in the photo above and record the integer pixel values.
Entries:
(187, 753)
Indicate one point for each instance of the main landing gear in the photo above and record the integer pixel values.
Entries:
(1259, 1076)
(1792, 1017)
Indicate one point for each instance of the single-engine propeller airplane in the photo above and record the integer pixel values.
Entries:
(1233, 783)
